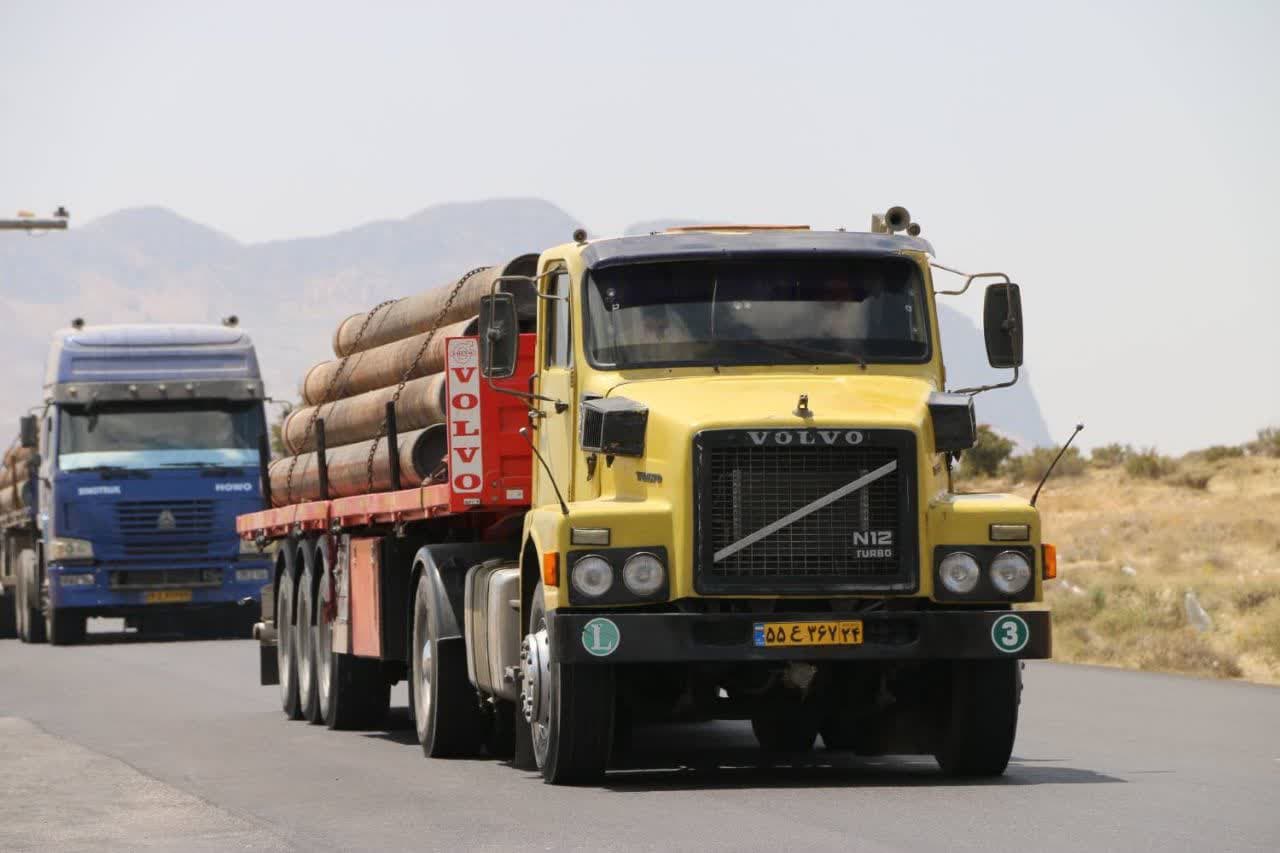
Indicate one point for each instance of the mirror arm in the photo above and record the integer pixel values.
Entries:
(560, 405)
(975, 391)
(969, 278)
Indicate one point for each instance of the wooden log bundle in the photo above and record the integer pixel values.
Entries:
(421, 454)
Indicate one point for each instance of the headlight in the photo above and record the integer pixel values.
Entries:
(592, 576)
(643, 574)
(76, 580)
(70, 549)
(959, 572)
(245, 575)
(1010, 572)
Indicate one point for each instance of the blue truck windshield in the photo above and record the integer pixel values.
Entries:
(769, 310)
(158, 435)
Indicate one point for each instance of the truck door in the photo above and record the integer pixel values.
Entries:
(555, 431)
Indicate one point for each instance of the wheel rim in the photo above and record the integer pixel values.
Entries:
(422, 667)
(284, 636)
(324, 641)
(302, 629)
(535, 689)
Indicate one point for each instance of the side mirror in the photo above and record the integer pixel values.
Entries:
(499, 336)
(1002, 324)
(29, 431)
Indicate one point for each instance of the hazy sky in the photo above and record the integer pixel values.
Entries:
(1120, 160)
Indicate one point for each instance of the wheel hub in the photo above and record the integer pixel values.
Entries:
(535, 677)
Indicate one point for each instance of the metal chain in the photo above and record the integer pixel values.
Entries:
(409, 371)
(328, 397)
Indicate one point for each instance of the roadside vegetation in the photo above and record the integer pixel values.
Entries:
(1168, 564)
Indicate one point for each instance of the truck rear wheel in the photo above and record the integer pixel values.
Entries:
(982, 721)
(63, 627)
(305, 636)
(569, 708)
(446, 709)
(286, 638)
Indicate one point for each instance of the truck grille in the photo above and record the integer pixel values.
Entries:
(163, 529)
(161, 578)
(746, 481)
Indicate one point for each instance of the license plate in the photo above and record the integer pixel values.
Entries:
(774, 634)
(168, 596)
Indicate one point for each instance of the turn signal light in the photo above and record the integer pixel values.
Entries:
(551, 569)
(1050, 559)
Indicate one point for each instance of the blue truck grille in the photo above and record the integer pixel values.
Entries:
(161, 528)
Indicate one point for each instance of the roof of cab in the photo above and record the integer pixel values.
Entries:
(151, 352)
(693, 245)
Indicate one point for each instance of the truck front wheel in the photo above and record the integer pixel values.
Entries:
(446, 709)
(30, 619)
(982, 719)
(569, 708)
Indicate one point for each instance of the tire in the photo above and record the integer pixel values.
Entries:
(352, 691)
(446, 708)
(286, 660)
(30, 619)
(305, 635)
(63, 627)
(982, 721)
(785, 725)
(572, 736)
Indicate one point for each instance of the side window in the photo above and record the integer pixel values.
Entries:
(559, 346)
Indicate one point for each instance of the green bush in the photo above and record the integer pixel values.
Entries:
(1148, 464)
(987, 455)
(1268, 443)
(1110, 455)
(1219, 452)
(1032, 465)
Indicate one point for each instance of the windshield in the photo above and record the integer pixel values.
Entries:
(783, 310)
(158, 435)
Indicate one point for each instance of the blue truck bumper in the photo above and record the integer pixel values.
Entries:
(240, 584)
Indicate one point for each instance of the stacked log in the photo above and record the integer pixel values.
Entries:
(15, 479)
(376, 351)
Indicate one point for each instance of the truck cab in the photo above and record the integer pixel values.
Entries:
(148, 448)
(744, 505)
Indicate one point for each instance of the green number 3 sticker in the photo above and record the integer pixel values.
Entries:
(1010, 633)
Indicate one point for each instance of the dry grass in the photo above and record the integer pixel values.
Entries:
(1130, 548)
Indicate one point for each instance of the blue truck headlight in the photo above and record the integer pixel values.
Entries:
(246, 575)
(66, 548)
(79, 579)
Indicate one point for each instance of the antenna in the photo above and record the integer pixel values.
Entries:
(1054, 463)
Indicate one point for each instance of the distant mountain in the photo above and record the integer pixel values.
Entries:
(151, 265)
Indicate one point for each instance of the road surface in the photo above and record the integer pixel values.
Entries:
(126, 744)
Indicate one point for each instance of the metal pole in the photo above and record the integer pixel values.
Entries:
(264, 467)
(393, 445)
(321, 462)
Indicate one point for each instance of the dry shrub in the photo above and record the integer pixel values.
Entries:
(1148, 464)
(1192, 478)
(1245, 600)
(1109, 455)
(1218, 452)
(1031, 466)
(1267, 444)
(1183, 650)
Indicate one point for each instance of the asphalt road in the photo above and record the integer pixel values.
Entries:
(173, 746)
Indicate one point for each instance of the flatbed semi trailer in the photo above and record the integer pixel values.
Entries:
(715, 482)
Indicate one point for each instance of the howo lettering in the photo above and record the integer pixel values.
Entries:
(692, 475)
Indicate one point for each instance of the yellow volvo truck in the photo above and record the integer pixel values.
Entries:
(716, 484)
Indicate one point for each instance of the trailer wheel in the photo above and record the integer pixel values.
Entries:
(305, 636)
(63, 627)
(569, 708)
(978, 733)
(286, 637)
(446, 708)
(353, 693)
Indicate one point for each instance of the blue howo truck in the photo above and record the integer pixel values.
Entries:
(146, 449)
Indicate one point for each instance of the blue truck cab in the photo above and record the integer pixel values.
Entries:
(148, 449)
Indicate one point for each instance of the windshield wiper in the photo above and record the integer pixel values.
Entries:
(805, 351)
(111, 469)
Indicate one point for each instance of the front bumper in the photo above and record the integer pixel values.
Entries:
(100, 596)
(729, 637)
